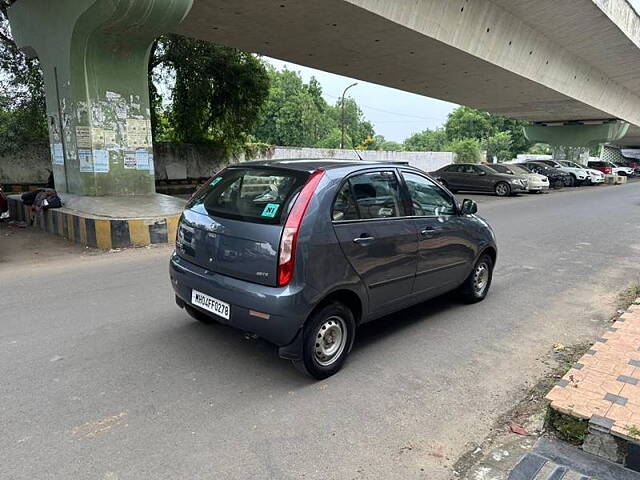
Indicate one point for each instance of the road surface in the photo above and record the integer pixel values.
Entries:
(103, 377)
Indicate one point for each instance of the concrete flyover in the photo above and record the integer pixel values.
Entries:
(539, 60)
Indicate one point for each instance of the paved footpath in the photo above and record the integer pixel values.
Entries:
(104, 378)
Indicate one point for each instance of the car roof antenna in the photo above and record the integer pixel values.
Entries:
(358, 154)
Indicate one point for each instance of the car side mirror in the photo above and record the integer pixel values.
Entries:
(469, 207)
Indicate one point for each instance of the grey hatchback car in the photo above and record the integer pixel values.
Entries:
(301, 252)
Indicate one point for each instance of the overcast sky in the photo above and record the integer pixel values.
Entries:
(395, 114)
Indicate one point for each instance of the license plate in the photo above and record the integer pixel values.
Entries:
(211, 304)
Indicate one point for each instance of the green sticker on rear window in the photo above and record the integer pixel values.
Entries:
(215, 181)
(270, 210)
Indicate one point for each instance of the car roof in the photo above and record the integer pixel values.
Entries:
(312, 164)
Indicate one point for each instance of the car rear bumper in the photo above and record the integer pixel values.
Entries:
(250, 303)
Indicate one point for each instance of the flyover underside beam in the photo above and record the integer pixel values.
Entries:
(473, 53)
(577, 135)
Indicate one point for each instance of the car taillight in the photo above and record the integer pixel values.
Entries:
(608, 170)
(287, 257)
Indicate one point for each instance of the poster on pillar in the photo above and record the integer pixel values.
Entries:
(142, 159)
(86, 160)
(57, 154)
(101, 161)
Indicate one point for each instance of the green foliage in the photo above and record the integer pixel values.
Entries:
(426, 141)
(465, 122)
(22, 99)
(568, 428)
(539, 149)
(390, 146)
(332, 140)
(216, 95)
(467, 150)
(499, 146)
(295, 114)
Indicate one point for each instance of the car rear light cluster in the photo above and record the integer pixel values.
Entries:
(287, 256)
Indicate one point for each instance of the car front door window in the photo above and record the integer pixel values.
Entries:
(426, 197)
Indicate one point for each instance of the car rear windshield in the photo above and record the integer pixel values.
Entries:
(258, 195)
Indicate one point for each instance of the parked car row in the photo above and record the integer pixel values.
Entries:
(513, 178)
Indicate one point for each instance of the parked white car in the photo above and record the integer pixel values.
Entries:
(535, 182)
(595, 176)
(578, 174)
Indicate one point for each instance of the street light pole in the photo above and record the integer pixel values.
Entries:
(342, 122)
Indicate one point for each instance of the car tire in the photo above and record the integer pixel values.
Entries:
(198, 315)
(558, 184)
(327, 340)
(502, 189)
(476, 287)
(571, 181)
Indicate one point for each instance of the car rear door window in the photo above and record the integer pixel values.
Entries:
(377, 195)
(426, 197)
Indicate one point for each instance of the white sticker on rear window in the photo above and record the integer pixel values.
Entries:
(270, 210)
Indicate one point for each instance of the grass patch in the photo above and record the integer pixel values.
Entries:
(628, 296)
(633, 431)
(567, 428)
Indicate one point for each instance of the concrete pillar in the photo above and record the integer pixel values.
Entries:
(94, 54)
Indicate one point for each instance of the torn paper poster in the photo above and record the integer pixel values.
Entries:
(142, 159)
(57, 154)
(86, 160)
(101, 161)
(83, 137)
(130, 159)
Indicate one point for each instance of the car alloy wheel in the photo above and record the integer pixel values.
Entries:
(502, 189)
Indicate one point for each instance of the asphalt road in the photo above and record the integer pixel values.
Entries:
(103, 377)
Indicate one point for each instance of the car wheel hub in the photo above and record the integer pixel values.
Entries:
(480, 278)
(331, 339)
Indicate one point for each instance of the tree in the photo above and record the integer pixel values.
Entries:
(391, 146)
(467, 150)
(426, 141)
(499, 146)
(296, 114)
(465, 122)
(333, 138)
(22, 98)
(217, 94)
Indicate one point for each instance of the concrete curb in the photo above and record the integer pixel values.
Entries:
(99, 232)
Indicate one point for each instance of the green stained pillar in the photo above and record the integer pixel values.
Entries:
(94, 54)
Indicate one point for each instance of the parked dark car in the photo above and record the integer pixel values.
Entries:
(479, 178)
(557, 178)
(300, 252)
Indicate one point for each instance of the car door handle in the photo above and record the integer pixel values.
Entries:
(427, 232)
(363, 240)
